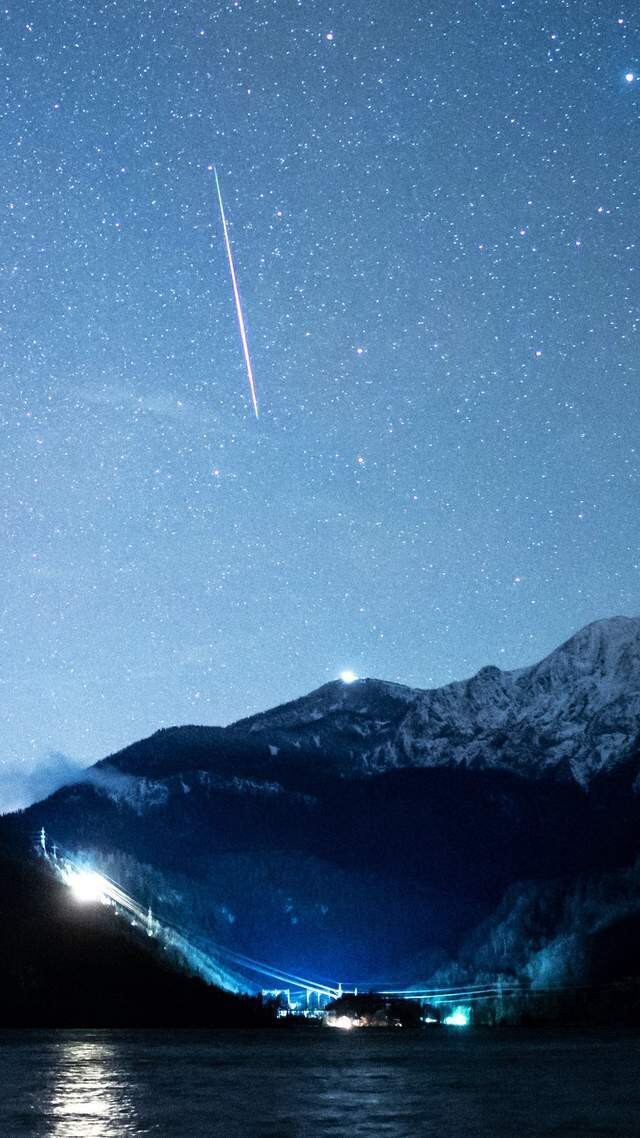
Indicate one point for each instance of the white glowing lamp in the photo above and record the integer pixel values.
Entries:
(348, 677)
(87, 886)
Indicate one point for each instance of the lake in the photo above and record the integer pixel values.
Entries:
(448, 1082)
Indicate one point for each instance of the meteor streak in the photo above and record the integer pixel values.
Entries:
(236, 296)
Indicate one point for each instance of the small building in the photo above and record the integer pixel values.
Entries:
(371, 1009)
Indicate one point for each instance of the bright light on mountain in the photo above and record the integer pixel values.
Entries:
(87, 886)
(348, 676)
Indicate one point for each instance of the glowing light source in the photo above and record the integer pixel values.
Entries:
(345, 1023)
(459, 1018)
(348, 676)
(630, 76)
(87, 886)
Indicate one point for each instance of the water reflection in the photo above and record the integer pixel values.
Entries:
(89, 1096)
(448, 1084)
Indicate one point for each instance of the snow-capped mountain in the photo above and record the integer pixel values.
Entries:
(370, 805)
(576, 713)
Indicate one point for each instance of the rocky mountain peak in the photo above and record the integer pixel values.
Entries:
(577, 710)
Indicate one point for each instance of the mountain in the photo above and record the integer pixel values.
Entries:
(67, 965)
(574, 714)
(370, 832)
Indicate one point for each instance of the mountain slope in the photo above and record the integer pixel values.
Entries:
(63, 964)
(369, 825)
(572, 716)
(575, 713)
(352, 880)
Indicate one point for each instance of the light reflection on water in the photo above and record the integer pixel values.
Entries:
(89, 1097)
(319, 1084)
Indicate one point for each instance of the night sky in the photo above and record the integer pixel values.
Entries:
(434, 215)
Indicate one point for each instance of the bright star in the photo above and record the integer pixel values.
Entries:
(630, 76)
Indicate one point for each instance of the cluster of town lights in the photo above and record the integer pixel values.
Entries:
(345, 1023)
(459, 1017)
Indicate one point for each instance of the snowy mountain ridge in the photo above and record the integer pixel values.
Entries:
(284, 835)
(575, 713)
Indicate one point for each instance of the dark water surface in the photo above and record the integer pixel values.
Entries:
(450, 1083)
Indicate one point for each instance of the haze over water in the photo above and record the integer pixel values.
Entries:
(290, 1084)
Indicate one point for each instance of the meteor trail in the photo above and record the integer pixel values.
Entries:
(236, 295)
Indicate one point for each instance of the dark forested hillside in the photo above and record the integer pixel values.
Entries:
(66, 964)
(338, 837)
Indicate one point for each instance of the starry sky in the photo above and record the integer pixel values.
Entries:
(433, 209)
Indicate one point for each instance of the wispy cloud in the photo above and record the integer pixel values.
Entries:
(22, 783)
(164, 405)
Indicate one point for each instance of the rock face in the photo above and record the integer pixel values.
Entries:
(575, 714)
(364, 831)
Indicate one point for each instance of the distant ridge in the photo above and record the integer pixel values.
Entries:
(575, 714)
(382, 833)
